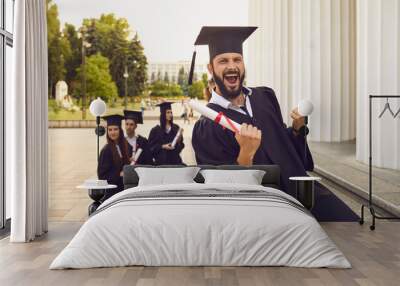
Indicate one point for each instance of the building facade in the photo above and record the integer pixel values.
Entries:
(158, 69)
(335, 53)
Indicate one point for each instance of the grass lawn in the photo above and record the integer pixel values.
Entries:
(63, 114)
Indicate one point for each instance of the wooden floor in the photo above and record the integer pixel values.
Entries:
(375, 257)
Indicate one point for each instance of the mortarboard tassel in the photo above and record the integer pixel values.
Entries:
(190, 80)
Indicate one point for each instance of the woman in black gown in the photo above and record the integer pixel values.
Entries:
(161, 137)
(114, 155)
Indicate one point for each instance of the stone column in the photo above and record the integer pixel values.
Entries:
(378, 73)
(306, 49)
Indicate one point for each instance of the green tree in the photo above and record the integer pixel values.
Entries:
(58, 48)
(159, 78)
(204, 79)
(109, 36)
(182, 80)
(196, 90)
(181, 76)
(162, 89)
(137, 68)
(175, 90)
(73, 61)
(99, 82)
(153, 77)
(166, 77)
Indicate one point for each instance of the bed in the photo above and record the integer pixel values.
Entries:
(201, 224)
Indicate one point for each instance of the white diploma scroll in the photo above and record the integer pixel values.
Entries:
(173, 144)
(137, 155)
(211, 114)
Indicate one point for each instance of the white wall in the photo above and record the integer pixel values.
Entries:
(306, 49)
(378, 72)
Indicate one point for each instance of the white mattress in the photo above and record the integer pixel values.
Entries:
(190, 231)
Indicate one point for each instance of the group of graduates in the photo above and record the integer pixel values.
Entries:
(134, 149)
(262, 140)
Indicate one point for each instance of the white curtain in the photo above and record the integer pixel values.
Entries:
(306, 49)
(26, 120)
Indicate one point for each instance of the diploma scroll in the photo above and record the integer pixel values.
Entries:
(179, 133)
(137, 155)
(215, 116)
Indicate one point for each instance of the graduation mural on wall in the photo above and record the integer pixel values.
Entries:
(237, 125)
(261, 138)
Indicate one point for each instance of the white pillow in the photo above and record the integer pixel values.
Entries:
(248, 177)
(166, 176)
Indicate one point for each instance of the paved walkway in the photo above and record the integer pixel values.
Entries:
(72, 159)
(338, 160)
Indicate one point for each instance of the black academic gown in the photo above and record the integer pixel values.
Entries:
(145, 157)
(159, 137)
(216, 146)
(108, 170)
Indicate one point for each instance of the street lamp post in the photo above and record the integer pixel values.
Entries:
(126, 87)
(83, 70)
(83, 79)
(98, 108)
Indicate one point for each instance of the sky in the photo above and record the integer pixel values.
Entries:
(166, 28)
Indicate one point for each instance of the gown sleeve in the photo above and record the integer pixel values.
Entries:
(130, 151)
(214, 145)
(105, 165)
(179, 145)
(145, 158)
(298, 141)
(155, 141)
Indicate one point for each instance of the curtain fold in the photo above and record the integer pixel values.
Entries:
(27, 123)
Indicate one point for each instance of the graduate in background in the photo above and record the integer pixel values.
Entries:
(264, 137)
(207, 91)
(161, 137)
(132, 119)
(114, 155)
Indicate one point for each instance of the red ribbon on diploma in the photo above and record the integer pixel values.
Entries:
(218, 119)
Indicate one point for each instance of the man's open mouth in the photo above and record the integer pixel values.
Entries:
(232, 79)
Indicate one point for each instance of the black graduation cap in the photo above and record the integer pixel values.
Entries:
(114, 119)
(165, 105)
(134, 115)
(221, 39)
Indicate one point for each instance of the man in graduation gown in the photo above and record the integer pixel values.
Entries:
(162, 136)
(132, 119)
(265, 139)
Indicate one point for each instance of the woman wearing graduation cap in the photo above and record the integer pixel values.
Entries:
(162, 136)
(114, 155)
(137, 142)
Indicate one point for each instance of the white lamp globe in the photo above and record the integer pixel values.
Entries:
(97, 107)
(305, 107)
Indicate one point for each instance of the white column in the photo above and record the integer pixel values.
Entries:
(305, 49)
(378, 72)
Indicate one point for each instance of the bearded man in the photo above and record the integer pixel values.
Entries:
(264, 138)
